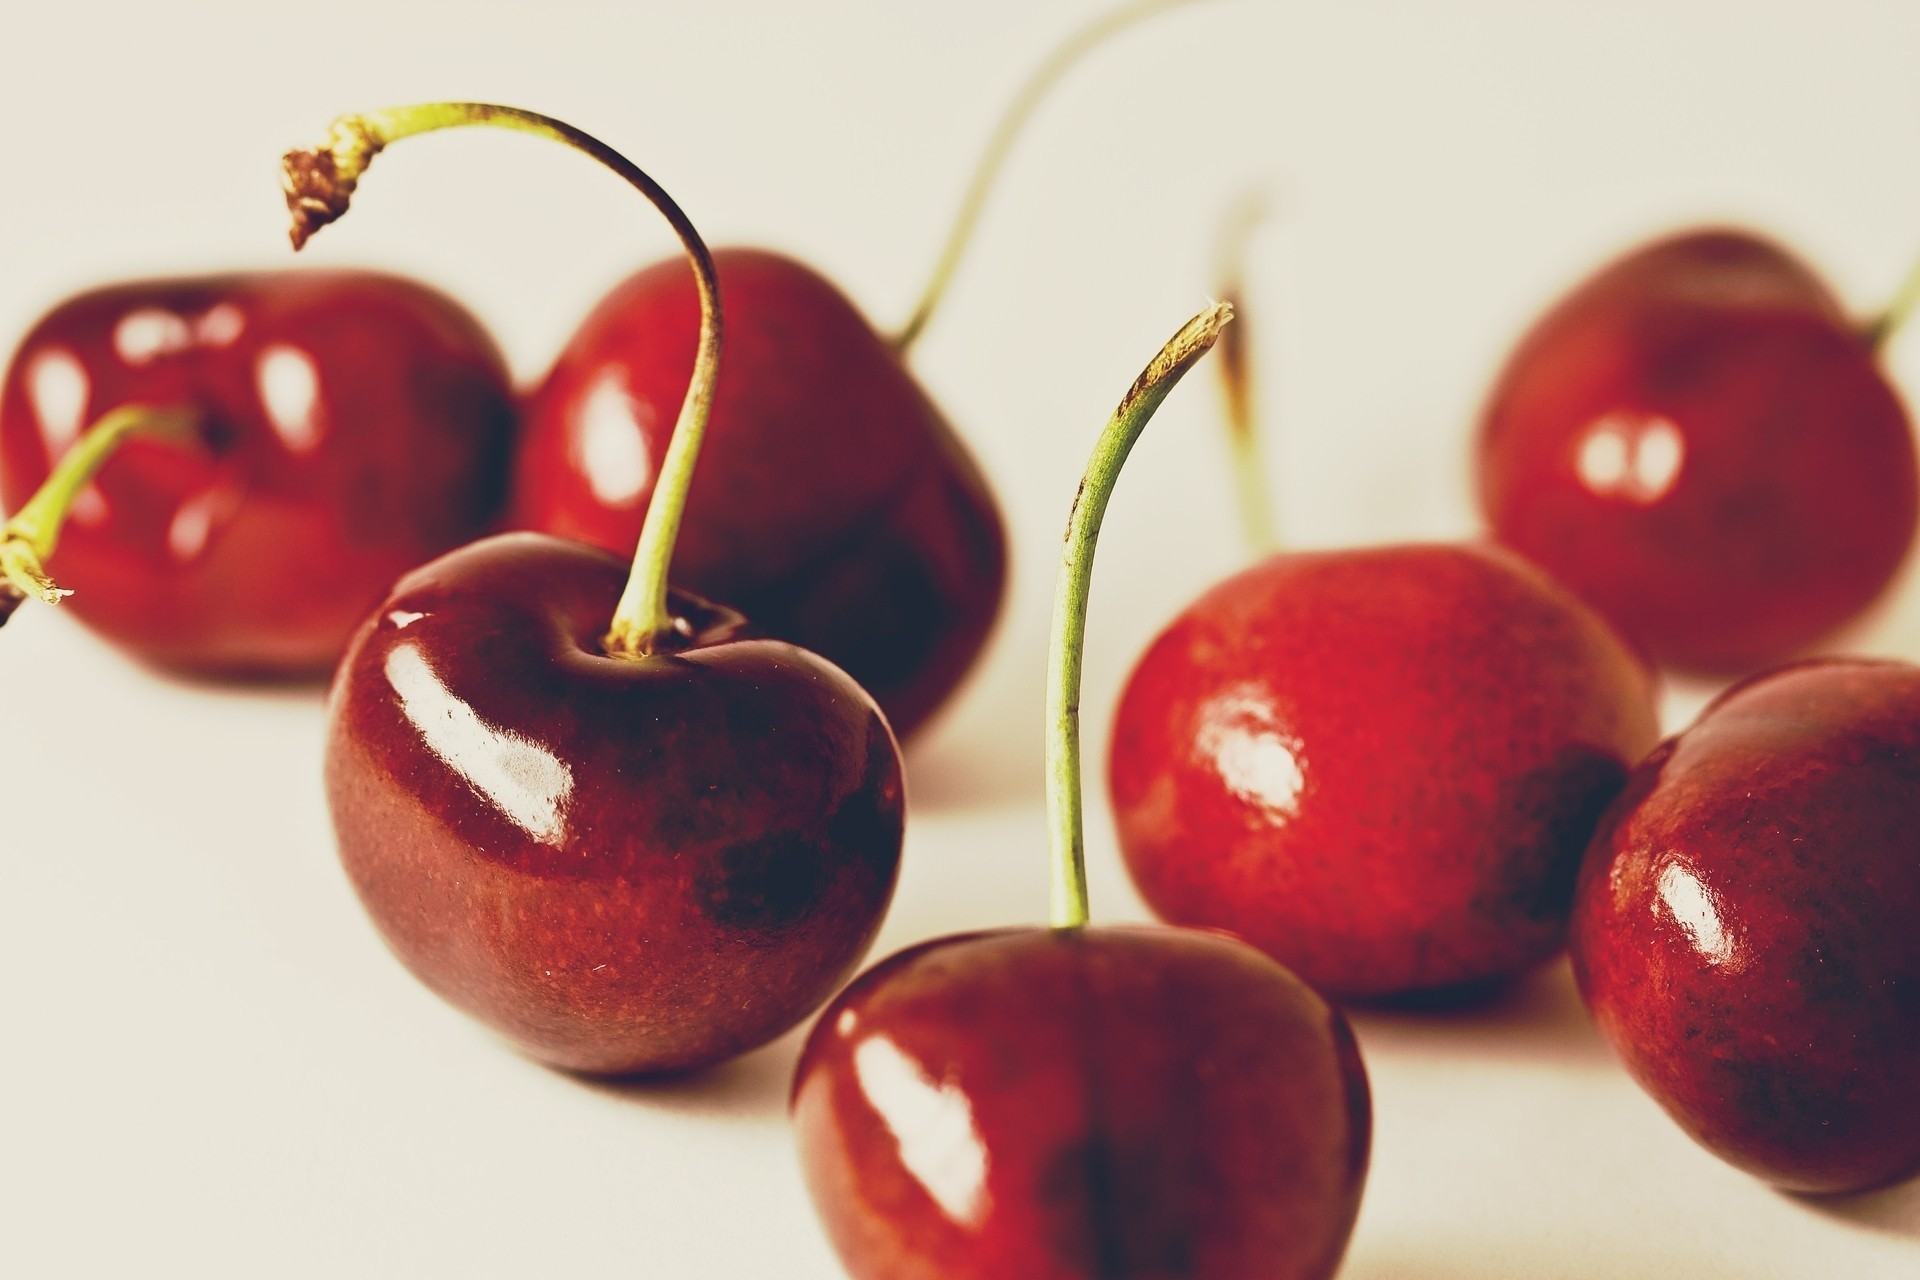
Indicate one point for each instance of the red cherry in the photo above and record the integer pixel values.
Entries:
(1744, 928)
(622, 865)
(1083, 1103)
(356, 425)
(1064, 1103)
(1378, 766)
(1699, 442)
(834, 505)
(589, 815)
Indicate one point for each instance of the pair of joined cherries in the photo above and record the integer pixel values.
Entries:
(352, 426)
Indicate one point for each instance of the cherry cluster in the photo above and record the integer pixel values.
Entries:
(639, 829)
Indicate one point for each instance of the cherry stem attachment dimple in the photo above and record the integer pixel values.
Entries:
(1237, 385)
(1000, 144)
(1065, 815)
(1903, 305)
(319, 185)
(28, 540)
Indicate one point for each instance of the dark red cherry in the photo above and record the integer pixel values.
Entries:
(1700, 442)
(581, 807)
(834, 505)
(1074, 1103)
(356, 425)
(1379, 766)
(624, 865)
(1080, 1104)
(1745, 930)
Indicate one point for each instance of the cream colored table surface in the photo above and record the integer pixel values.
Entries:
(213, 1069)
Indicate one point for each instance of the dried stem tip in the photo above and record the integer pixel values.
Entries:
(319, 183)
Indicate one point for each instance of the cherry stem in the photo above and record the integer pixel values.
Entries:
(1898, 310)
(28, 540)
(319, 185)
(1065, 815)
(1237, 386)
(994, 158)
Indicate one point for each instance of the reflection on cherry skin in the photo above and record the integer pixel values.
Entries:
(355, 425)
(1744, 928)
(834, 504)
(1054, 1105)
(1698, 441)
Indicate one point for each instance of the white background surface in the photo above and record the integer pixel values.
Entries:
(212, 1068)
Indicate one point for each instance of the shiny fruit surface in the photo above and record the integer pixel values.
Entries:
(1379, 766)
(834, 505)
(356, 425)
(625, 866)
(1699, 442)
(1059, 1105)
(1744, 932)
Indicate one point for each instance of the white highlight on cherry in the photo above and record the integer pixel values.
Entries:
(192, 525)
(58, 386)
(1630, 456)
(609, 443)
(89, 507)
(522, 779)
(932, 1124)
(1242, 734)
(289, 385)
(220, 325)
(1693, 908)
(147, 333)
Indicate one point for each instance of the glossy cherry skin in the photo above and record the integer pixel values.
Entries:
(1086, 1105)
(357, 426)
(624, 866)
(834, 505)
(1379, 766)
(1745, 930)
(1699, 442)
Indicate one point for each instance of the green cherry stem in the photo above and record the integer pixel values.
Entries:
(320, 183)
(1237, 385)
(1000, 145)
(28, 540)
(1902, 306)
(1065, 819)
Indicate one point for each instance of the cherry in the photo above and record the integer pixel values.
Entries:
(836, 507)
(1378, 765)
(1744, 926)
(1699, 442)
(630, 850)
(351, 426)
(1381, 765)
(1076, 1102)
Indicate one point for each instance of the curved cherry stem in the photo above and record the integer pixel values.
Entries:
(28, 540)
(1903, 305)
(1237, 385)
(1065, 815)
(319, 186)
(1007, 132)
